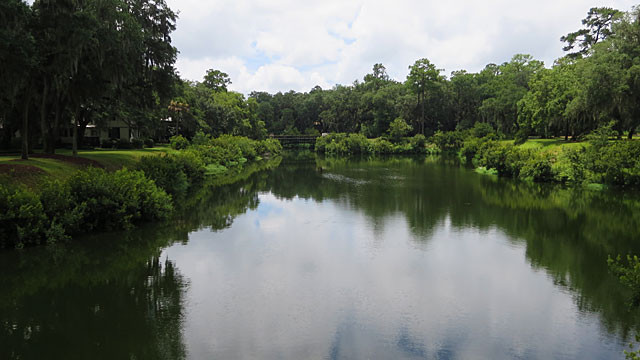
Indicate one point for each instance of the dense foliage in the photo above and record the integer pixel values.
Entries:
(90, 200)
(518, 98)
(67, 64)
(94, 199)
(352, 144)
(613, 163)
(125, 72)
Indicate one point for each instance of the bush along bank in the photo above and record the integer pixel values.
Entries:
(97, 200)
(352, 144)
(610, 163)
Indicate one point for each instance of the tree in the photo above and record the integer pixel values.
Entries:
(378, 78)
(598, 24)
(549, 105)
(18, 59)
(424, 79)
(467, 98)
(148, 84)
(216, 80)
(399, 128)
(625, 41)
(503, 87)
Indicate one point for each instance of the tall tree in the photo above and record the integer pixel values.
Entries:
(467, 98)
(216, 80)
(424, 79)
(18, 59)
(598, 24)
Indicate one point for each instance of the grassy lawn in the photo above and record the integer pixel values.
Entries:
(115, 159)
(14, 171)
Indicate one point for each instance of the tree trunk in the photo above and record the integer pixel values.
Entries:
(54, 132)
(5, 142)
(422, 114)
(25, 129)
(43, 117)
(632, 130)
(74, 146)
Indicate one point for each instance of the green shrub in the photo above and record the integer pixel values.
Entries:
(224, 154)
(480, 130)
(617, 163)
(521, 137)
(166, 172)
(323, 142)
(399, 128)
(506, 159)
(200, 138)
(417, 143)
(191, 163)
(117, 200)
(178, 142)
(246, 145)
(149, 143)
(64, 213)
(345, 144)
(571, 166)
(356, 144)
(174, 173)
(471, 147)
(22, 218)
(137, 143)
(600, 136)
(450, 142)
(124, 144)
(538, 168)
(107, 144)
(337, 147)
(381, 146)
(269, 146)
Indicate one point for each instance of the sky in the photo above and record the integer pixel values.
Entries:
(282, 45)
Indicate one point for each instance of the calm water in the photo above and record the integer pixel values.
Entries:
(338, 259)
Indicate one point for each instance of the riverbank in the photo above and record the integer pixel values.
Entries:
(68, 198)
(597, 162)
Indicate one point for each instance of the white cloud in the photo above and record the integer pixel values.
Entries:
(279, 45)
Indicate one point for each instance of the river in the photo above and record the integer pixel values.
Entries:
(397, 258)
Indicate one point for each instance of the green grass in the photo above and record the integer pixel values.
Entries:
(117, 159)
(59, 170)
(552, 145)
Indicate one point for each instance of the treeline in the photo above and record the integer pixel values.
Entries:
(596, 83)
(97, 200)
(70, 63)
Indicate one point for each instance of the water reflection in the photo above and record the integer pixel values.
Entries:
(567, 232)
(406, 259)
(80, 303)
